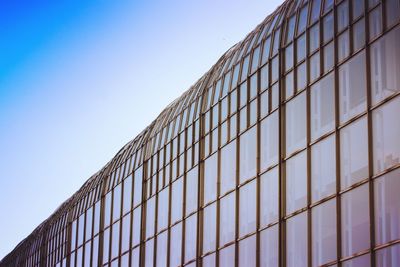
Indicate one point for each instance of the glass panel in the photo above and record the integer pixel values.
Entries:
(227, 219)
(228, 167)
(245, 68)
(150, 219)
(316, 7)
(269, 197)
(209, 260)
(162, 244)
(302, 20)
(127, 194)
(136, 227)
(392, 12)
(163, 201)
(266, 48)
(329, 58)
(385, 135)
(353, 153)
(358, 8)
(388, 257)
(375, 23)
(210, 231)
(135, 256)
(190, 237)
(264, 78)
(175, 245)
(106, 245)
(301, 48)
(315, 67)
(107, 209)
(137, 196)
(247, 208)
(115, 240)
(359, 35)
(288, 58)
(323, 106)
(343, 46)
(328, 28)
(387, 207)
(314, 38)
(323, 168)
(253, 87)
(255, 59)
(362, 261)
(149, 253)
(296, 241)
(352, 87)
(176, 200)
(290, 29)
(269, 143)
(355, 221)
(126, 233)
(301, 76)
(191, 190)
(275, 69)
(210, 178)
(289, 85)
(248, 153)
(342, 16)
(269, 245)
(247, 252)
(385, 66)
(296, 182)
(227, 256)
(324, 233)
(296, 124)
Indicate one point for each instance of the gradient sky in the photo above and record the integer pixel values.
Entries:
(79, 79)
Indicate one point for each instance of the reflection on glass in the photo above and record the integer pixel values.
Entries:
(228, 167)
(385, 66)
(227, 256)
(248, 153)
(364, 261)
(209, 232)
(210, 178)
(269, 142)
(190, 237)
(322, 106)
(352, 87)
(191, 190)
(162, 207)
(388, 257)
(353, 153)
(358, 35)
(323, 168)
(176, 200)
(247, 208)
(296, 182)
(269, 245)
(387, 207)
(162, 243)
(149, 252)
(355, 221)
(385, 135)
(269, 197)
(150, 218)
(324, 233)
(175, 245)
(296, 124)
(296, 241)
(247, 252)
(227, 219)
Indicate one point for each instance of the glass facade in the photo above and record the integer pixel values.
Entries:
(285, 153)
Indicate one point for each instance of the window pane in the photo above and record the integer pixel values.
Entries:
(301, 48)
(115, 240)
(227, 256)
(288, 57)
(375, 23)
(296, 241)
(248, 153)
(329, 58)
(315, 69)
(289, 85)
(302, 20)
(191, 190)
(352, 87)
(137, 196)
(163, 201)
(127, 194)
(175, 245)
(301, 74)
(392, 12)
(210, 178)
(314, 38)
(190, 237)
(162, 244)
(355, 221)
(358, 35)
(209, 232)
(324, 233)
(228, 167)
(126, 233)
(385, 135)
(176, 200)
(149, 253)
(316, 7)
(247, 208)
(364, 261)
(150, 220)
(247, 252)
(323, 106)
(343, 46)
(353, 153)
(296, 182)
(296, 124)
(388, 257)
(358, 8)
(269, 245)
(342, 16)
(227, 218)
(136, 227)
(269, 197)
(269, 143)
(323, 168)
(328, 27)
(387, 207)
(385, 66)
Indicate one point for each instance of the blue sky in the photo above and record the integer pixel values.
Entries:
(79, 79)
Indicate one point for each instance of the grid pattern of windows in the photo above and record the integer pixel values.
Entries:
(286, 153)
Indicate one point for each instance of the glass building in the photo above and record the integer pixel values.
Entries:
(285, 153)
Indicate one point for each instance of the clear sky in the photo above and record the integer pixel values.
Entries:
(79, 79)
